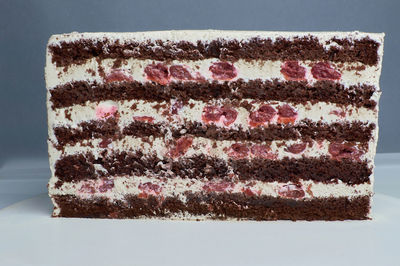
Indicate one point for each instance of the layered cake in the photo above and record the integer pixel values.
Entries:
(213, 124)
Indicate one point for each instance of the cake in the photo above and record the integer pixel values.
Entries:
(209, 124)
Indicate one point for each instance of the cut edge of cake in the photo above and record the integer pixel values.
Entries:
(85, 79)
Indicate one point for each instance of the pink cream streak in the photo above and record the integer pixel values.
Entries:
(105, 110)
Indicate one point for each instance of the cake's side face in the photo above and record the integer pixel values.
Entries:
(213, 124)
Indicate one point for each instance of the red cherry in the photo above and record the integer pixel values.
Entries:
(250, 192)
(324, 71)
(199, 78)
(292, 70)
(229, 115)
(220, 186)
(264, 114)
(344, 150)
(238, 151)
(262, 151)
(148, 119)
(223, 70)
(291, 191)
(118, 75)
(180, 72)
(286, 111)
(181, 146)
(286, 114)
(214, 114)
(148, 189)
(211, 114)
(157, 73)
(297, 148)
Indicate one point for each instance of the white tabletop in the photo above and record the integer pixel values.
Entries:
(30, 237)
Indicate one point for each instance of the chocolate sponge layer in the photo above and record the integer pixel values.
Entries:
(78, 92)
(306, 129)
(217, 206)
(323, 169)
(304, 48)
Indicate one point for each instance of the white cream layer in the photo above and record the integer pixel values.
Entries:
(246, 70)
(129, 185)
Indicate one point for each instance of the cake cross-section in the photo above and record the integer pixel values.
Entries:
(213, 124)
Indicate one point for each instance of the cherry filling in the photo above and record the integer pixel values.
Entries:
(262, 151)
(221, 186)
(223, 71)
(264, 114)
(293, 191)
(181, 146)
(180, 72)
(148, 119)
(158, 73)
(286, 114)
(344, 150)
(296, 148)
(211, 114)
(117, 75)
(149, 189)
(238, 151)
(292, 70)
(215, 114)
(324, 71)
(250, 192)
(229, 115)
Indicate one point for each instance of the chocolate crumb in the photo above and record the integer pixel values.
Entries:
(68, 114)
(91, 72)
(117, 63)
(219, 206)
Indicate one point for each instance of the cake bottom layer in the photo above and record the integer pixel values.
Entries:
(215, 206)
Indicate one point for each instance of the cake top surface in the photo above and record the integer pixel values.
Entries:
(206, 35)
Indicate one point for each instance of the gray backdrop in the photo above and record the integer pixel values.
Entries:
(25, 27)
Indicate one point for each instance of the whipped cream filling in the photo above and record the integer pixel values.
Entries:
(193, 111)
(94, 70)
(121, 186)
